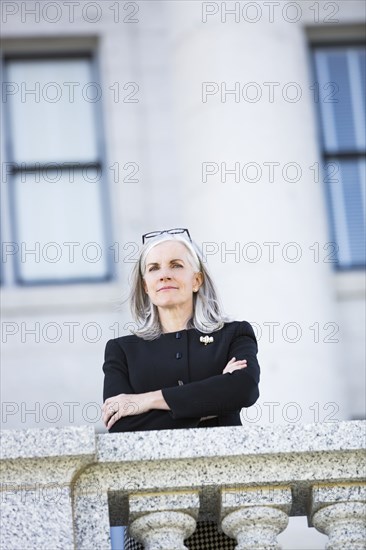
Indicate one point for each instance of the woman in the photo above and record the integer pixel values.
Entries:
(186, 366)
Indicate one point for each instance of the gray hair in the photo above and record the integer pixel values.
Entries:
(208, 315)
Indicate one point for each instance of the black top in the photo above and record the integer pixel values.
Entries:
(189, 373)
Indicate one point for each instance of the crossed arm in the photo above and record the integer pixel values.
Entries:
(132, 404)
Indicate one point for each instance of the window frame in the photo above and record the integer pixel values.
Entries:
(14, 277)
(326, 44)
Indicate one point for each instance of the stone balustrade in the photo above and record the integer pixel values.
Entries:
(62, 488)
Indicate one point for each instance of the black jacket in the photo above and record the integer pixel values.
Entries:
(188, 372)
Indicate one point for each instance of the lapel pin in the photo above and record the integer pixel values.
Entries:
(206, 339)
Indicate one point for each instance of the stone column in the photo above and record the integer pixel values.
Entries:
(162, 521)
(255, 517)
(339, 511)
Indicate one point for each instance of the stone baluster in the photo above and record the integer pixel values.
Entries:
(339, 511)
(162, 521)
(254, 517)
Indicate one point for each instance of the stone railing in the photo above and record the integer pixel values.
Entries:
(62, 488)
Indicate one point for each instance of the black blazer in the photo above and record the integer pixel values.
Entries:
(188, 372)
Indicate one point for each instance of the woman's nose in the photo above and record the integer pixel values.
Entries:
(165, 274)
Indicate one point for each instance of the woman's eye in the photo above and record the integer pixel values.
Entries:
(177, 265)
(152, 268)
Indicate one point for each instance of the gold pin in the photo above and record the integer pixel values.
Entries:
(206, 339)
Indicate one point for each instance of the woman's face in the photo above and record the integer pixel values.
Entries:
(170, 279)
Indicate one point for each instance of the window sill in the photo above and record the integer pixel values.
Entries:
(350, 285)
(28, 300)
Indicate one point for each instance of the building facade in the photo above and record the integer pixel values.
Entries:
(242, 121)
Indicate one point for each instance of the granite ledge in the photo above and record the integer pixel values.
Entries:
(73, 441)
(231, 441)
(47, 442)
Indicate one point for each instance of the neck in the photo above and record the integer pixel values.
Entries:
(173, 320)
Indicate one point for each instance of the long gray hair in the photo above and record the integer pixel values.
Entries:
(207, 311)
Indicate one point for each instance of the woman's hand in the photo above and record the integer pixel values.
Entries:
(233, 364)
(124, 404)
(131, 404)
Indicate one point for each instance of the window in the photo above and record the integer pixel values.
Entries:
(54, 151)
(341, 93)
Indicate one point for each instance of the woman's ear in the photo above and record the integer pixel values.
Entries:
(197, 281)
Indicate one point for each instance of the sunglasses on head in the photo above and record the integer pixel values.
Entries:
(176, 231)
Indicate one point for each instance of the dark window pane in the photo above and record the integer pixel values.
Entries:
(347, 197)
(342, 108)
